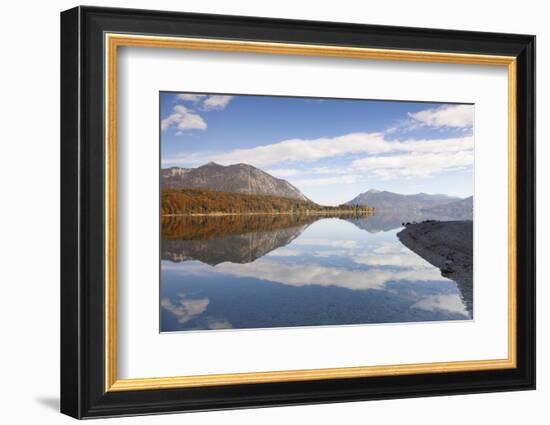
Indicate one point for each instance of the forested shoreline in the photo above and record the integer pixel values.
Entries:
(176, 202)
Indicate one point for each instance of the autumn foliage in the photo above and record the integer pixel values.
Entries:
(205, 227)
(203, 201)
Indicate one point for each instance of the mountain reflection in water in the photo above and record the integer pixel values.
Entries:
(234, 238)
(260, 271)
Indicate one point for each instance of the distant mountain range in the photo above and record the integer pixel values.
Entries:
(236, 178)
(460, 210)
(384, 200)
(420, 205)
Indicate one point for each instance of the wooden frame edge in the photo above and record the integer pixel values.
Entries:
(114, 40)
(306, 375)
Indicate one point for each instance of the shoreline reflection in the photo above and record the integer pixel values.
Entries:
(263, 271)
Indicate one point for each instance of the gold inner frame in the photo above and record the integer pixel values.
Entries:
(113, 41)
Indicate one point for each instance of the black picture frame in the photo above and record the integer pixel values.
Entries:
(83, 392)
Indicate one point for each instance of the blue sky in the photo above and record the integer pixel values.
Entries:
(331, 149)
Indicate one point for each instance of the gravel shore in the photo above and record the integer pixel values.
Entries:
(447, 245)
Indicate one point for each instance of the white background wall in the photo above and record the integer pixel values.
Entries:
(29, 224)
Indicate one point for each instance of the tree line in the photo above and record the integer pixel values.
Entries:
(205, 201)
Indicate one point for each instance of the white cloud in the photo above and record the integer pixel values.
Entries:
(414, 164)
(325, 181)
(286, 172)
(216, 102)
(186, 159)
(307, 150)
(445, 116)
(328, 170)
(434, 145)
(190, 97)
(183, 118)
(292, 172)
(375, 156)
(204, 101)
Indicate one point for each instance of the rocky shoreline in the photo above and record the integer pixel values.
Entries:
(448, 245)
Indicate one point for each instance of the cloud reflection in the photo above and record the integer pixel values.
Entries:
(185, 309)
(379, 264)
(392, 254)
(317, 274)
(333, 273)
(451, 303)
(347, 244)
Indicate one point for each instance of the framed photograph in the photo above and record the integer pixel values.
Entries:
(261, 212)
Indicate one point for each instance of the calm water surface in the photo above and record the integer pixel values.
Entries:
(278, 271)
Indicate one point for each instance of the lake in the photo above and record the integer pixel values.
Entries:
(265, 271)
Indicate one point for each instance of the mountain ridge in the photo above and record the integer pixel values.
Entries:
(461, 209)
(382, 200)
(237, 178)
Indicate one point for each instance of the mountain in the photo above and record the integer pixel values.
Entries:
(236, 178)
(383, 200)
(459, 210)
(173, 178)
